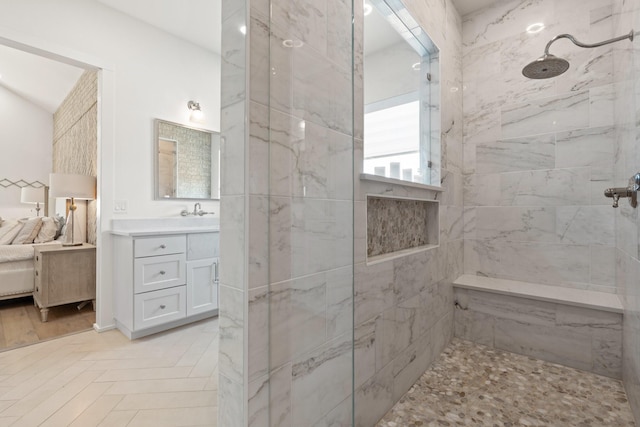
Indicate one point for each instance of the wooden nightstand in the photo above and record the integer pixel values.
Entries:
(64, 274)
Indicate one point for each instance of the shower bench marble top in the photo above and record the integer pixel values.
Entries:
(569, 296)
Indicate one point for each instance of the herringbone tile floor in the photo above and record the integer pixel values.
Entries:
(90, 379)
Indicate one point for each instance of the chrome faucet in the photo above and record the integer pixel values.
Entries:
(197, 211)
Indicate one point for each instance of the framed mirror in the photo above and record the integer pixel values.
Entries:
(187, 162)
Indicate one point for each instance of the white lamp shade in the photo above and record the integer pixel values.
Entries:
(67, 185)
(32, 195)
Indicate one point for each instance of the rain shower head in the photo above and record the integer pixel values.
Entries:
(545, 67)
(549, 65)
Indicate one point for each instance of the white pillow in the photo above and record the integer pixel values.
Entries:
(28, 232)
(48, 230)
(9, 232)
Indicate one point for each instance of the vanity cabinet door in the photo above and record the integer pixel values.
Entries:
(202, 285)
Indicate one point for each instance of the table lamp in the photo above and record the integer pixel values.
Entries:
(33, 195)
(74, 187)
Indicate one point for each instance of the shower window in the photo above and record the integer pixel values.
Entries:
(396, 119)
(399, 66)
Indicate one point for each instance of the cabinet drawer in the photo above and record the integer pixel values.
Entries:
(162, 245)
(159, 272)
(158, 307)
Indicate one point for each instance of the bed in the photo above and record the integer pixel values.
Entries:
(16, 260)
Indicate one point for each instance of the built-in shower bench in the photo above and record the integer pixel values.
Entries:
(572, 327)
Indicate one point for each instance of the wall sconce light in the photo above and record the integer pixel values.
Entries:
(196, 113)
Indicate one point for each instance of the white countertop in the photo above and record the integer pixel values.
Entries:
(138, 227)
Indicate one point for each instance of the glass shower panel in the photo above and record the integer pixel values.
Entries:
(310, 213)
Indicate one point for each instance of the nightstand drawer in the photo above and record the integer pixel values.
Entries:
(158, 307)
(159, 272)
(38, 283)
(163, 245)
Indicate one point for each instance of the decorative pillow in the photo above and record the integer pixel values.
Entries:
(48, 230)
(28, 232)
(9, 232)
(60, 222)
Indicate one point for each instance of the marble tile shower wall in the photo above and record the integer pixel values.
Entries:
(627, 221)
(539, 153)
(286, 245)
(300, 171)
(404, 307)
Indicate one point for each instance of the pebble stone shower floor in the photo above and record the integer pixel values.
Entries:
(473, 385)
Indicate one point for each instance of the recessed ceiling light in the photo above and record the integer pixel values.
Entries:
(243, 30)
(292, 43)
(535, 28)
(367, 8)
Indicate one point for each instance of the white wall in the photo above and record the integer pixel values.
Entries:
(26, 135)
(155, 76)
(150, 74)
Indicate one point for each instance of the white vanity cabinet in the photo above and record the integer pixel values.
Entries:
(164, 280)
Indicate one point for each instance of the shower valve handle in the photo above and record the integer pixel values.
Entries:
(631, 192)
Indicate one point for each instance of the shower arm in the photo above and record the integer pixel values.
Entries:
(578, 43)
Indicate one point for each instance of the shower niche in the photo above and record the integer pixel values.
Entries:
(399, 226)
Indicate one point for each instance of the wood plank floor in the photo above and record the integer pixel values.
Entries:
(20, 322)
(90, 379)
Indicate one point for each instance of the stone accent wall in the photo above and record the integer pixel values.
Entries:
(75, 137)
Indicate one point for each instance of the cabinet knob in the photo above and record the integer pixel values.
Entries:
(36, 272)
(163, 246)
(163, 272)
(162, 307)
(37, 258)
(37, 289)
